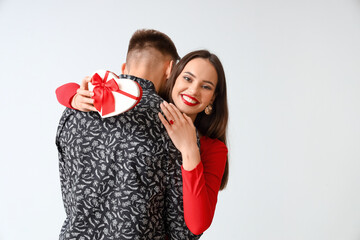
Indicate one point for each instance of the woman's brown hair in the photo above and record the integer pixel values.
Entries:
(215, 124)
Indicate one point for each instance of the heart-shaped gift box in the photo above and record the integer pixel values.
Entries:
(113, 95)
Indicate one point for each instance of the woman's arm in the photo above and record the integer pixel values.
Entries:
(201, 174)
(65, 93)
(201, 185)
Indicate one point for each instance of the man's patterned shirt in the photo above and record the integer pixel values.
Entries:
(120, 176)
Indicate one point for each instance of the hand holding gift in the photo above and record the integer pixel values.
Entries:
(107, 94)
(83, 98)
(113, 95)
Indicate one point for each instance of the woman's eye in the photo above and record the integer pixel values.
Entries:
(207, 87)
(187, 78)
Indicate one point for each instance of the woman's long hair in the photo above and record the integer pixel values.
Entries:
(215, 124)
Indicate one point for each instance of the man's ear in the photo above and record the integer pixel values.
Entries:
(124, 69)
(169, 69)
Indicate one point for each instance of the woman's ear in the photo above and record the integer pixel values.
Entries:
(124, 69)
(213, 98)
(169, 69)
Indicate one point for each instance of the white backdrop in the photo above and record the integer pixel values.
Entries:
(293, 83)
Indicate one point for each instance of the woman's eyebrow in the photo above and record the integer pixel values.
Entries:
(191, 74)
(209, 82)
(206, 81)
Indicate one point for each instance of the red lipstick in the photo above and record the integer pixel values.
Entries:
(188, 100)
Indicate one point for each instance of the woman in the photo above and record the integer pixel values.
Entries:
(198, 89)
(197, 92)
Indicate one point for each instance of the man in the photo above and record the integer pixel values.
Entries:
(120, 176)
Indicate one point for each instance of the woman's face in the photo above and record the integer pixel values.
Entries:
(195, 87)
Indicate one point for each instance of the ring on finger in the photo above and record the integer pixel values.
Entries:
(172, 122)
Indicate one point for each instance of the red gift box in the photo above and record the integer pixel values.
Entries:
(113, 95)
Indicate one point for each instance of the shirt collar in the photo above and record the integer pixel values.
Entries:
(144, 83)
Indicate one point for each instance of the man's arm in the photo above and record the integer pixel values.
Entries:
(176, 227)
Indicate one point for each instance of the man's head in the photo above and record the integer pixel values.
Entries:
(151, 55)
(145, 39)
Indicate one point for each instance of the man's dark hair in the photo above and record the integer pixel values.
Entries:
(150, 38)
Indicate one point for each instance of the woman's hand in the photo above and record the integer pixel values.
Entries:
(82, 100)
(182, 132)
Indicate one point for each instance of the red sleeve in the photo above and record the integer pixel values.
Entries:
(65, 93)
(201, 185)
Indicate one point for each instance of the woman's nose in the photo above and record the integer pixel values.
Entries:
(194, 89)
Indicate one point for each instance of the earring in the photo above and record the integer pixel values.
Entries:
(208, 109)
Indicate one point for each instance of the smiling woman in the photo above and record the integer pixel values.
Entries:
(194, 87)
(213, 121)
(197, 87)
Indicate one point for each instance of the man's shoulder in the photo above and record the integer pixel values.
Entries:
(72, 118)
(150, 102)
(74, 115)
(67, 113)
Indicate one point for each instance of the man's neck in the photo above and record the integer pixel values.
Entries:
(145, 73)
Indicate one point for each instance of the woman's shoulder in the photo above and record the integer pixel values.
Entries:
(212, 144)
(213, 154)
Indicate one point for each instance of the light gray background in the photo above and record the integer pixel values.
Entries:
(293, 83)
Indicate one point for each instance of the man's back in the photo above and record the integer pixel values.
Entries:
(114, 173)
